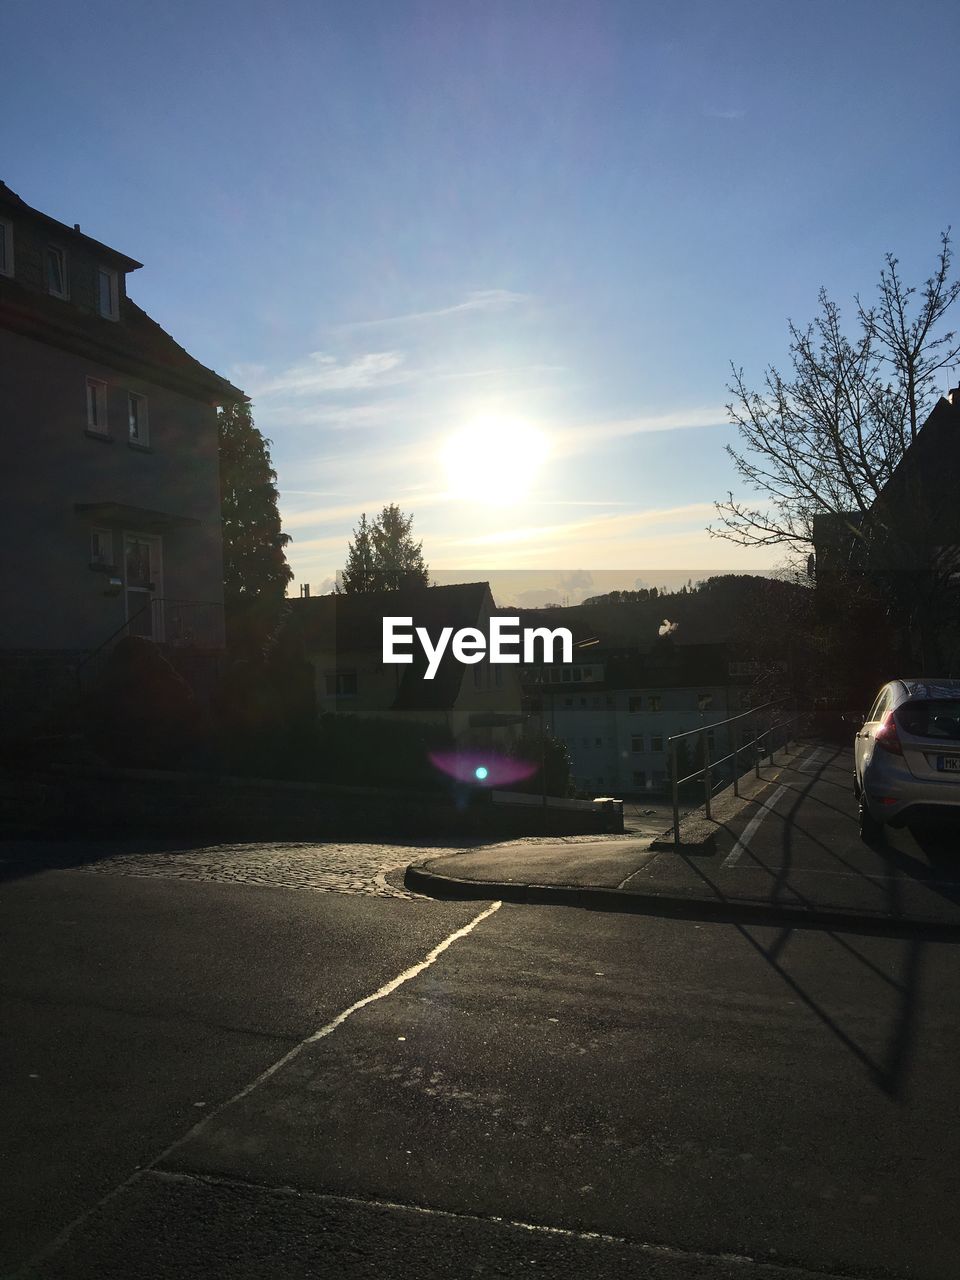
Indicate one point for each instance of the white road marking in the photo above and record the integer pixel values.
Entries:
(733, 857)
(813, 762)
(741, 847)
(327, 1029)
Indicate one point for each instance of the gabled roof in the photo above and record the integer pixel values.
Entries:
(17, 207)
(136, 343)
(353, 624)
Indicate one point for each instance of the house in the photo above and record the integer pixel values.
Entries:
(616, 711)
(905, 551)
(341, 636)
(111, 475)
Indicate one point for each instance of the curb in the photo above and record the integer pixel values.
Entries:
(671, 906)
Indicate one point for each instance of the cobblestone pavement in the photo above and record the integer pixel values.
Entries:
(334, 868)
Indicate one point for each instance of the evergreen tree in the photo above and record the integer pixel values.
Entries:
(358, 572)
(255, 569)
(383, 555)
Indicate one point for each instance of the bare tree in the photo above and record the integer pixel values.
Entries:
(826, 437)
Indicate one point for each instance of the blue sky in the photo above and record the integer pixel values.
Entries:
(448, 243)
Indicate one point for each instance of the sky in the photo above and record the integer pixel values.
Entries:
(492, 261)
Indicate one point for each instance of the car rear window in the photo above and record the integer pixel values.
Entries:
(934, 719)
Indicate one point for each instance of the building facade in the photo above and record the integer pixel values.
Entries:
(616, 713)
(111, 493)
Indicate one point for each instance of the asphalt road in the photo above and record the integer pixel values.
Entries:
(544, 1091)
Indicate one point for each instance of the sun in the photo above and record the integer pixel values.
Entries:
(493, 459)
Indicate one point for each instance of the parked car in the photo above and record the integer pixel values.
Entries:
(907, 755)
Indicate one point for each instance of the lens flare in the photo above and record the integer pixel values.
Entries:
(482, 768)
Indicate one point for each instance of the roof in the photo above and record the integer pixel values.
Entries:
(354, 624)
(19, 207)
(669, 666)
(134, 343)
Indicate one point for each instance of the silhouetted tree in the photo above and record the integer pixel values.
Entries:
(382, 556)
(358, 572)
(825, 437)
(255, 569)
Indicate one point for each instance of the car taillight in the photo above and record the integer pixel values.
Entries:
(888, 738)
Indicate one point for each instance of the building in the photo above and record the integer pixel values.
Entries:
(111, 477)
(904, 553)
(616, 712)
(341, 636)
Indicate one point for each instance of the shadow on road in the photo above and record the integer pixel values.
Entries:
(891, 1072)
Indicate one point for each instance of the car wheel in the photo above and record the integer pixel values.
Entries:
(871, 828)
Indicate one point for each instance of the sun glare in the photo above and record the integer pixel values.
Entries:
(493, 460)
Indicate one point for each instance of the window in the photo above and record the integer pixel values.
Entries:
(568, 702)
(656, 742)
(583, 702)
(108, 293)
(498, 675)
(56, 271)
(634, 704)
(138, 428)
(598, 742)
(704, 701)
(656, 703)
(341, 684)
(97, 406)
(101, 547)
(6, 248)
(639, 777)
(636, 742)
(609, 701)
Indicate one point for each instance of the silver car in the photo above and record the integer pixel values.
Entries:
(906, 759)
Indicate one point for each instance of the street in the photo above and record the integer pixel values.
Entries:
(513, 1090)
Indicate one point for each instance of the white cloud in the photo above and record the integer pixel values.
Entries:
(322, 374)
(477, 300)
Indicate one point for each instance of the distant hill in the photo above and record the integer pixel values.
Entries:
(740, 609)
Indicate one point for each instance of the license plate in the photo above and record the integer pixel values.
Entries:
(948, 764)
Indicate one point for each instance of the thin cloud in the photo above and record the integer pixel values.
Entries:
(477, 300)
(586, 437)
(323, 374)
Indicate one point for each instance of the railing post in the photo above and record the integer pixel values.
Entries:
(675, 788)
(736, 752)
(707, 775)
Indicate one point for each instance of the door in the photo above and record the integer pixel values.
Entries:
(142, 584)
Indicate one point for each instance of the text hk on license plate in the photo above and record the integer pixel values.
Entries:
(948, 764)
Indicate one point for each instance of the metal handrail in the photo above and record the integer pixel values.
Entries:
(124, 628)
(707, 770)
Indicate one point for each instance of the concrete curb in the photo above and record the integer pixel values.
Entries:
(674, 906)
